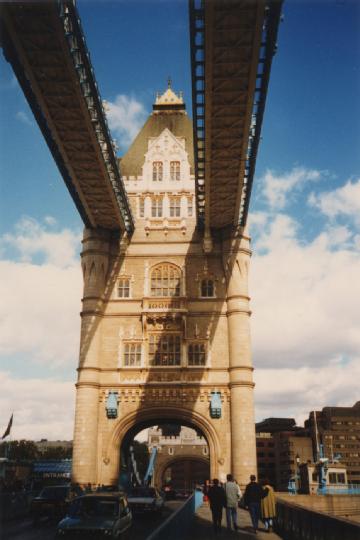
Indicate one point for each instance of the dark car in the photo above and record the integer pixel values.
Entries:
(145, 499)
(52, 502)
(96, 515)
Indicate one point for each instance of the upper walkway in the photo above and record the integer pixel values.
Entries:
(203, 529)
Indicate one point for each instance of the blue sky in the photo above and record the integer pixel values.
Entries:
(304, 211)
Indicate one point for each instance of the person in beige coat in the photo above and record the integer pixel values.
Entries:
(268, 507)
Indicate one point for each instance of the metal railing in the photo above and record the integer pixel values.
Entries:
(296, 522)
(177, 525)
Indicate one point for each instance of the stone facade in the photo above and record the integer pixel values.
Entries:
(164, 322)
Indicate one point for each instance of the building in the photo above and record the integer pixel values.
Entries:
(337, 429)
(182, 460)
(280, 450)
(165, 320)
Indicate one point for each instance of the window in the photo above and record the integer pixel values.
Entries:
(174, 170)
(157, 171)
(165, 280)
(141, 207)
(341, 478)
(207, 288)
(132, 354)
(164, 350)
(175, 206)
(196, 354)
(190, 209)
(156, 207)
(123, 288)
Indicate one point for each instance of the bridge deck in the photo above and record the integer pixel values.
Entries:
(203, 527)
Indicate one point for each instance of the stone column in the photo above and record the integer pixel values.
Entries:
(236, 258)
(95, 262)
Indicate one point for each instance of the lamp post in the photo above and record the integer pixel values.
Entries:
(297, 473)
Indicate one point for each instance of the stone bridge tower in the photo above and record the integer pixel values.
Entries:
(165, 324)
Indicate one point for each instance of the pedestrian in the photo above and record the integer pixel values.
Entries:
(233, 496)
(252, 498)
(206, 491)
(268, 506)
(217, 500)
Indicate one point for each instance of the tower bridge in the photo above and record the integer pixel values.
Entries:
(165, 334)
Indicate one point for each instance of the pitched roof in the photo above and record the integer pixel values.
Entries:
(169, 115)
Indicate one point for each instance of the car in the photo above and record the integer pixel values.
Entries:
(52, 502)
(100, 515)
(145, 500)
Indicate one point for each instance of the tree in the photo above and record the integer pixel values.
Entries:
(141, 454)
(19, 450)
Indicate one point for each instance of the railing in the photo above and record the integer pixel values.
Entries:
(177, 525)
(295, 522)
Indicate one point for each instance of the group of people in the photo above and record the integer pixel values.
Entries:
(258, 499)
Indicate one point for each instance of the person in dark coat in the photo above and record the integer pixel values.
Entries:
(252, 498)
(217, 500)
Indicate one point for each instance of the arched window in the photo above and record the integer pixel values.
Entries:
(207, 288)
(165, 280)
(174, 170)
(157, 171)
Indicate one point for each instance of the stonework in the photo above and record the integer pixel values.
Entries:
(164, 323)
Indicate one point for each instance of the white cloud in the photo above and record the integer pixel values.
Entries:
(276, 188)
(40, 303)
(343, 201)
(304, 299)
(126, 116)
(24, 118)
(43, 408)
(293, 392)
(31, 239)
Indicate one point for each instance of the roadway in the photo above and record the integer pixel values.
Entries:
(23, 529)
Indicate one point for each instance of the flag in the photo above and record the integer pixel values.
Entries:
(8, 429)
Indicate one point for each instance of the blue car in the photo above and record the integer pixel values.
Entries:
(100, 515)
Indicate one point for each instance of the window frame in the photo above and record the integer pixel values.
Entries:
(157, 209)
(174, 206)
(196, 344)
(165, 277)
(120, 287)
(175, 168)
(157, 171)
(173, 346)
(137, 353)
(205, 287)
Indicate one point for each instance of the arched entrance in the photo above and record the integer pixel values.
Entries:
(183, 472)
(127, 427)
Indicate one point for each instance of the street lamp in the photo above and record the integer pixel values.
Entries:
(297, 473)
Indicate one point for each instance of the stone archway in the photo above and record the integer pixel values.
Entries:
(151, 416)
(159, 471)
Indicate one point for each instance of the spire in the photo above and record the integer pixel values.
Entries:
(169, 100)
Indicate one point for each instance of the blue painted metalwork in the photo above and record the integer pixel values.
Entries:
(150, 470)
(215, 405)
(112, 405)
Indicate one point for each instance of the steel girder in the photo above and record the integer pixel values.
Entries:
(232, 45)
(46, 47)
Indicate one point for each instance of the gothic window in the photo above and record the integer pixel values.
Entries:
(123, 288)
(174, 170)
(157, 171)
(175, 206)
(190, 209)
(165, 280)
(156, 207)
(132, 354)
(207, 288)
(141, 207)
(196, 354)
(164, 350)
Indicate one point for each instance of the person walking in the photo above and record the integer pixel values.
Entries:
(252, 498)
(217, 499)
(233, 495)
(268, 507)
